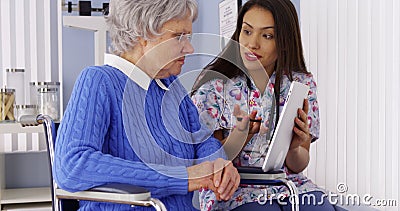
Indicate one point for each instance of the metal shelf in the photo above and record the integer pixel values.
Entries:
(25, 195)
(17, 139)
(6, 128)
(37, 206)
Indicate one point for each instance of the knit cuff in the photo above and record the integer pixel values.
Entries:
(178, 180)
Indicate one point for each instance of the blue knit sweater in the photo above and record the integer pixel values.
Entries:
(132, 137)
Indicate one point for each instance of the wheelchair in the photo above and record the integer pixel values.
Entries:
(129, 194)
(112, 192)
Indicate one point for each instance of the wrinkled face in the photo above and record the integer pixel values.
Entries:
(257, 40)
(165, 55)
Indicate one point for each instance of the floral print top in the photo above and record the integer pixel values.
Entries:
(215, 101)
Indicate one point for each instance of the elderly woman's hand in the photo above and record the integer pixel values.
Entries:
(220, 176)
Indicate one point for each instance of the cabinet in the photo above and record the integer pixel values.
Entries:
(16, 139)
(83, 43)
(95, 24)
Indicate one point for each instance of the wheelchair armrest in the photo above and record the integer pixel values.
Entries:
(120, 188)
(252, 173)
(256, 176)
(112, 192)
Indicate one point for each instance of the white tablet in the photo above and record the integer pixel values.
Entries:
(284, 130)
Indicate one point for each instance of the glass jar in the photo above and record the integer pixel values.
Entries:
(7, 103)
(15, 80)
(23, 110)
(48, 102)
(34, 86)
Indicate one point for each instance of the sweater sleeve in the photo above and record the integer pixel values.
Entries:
(80, 163)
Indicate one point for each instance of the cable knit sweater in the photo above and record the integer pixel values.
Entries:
(107, 136)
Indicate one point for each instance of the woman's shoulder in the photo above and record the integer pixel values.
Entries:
(104, 72)
(218, 84)
(99, 77)
(93, 72)
(305, 78)
(298, 76)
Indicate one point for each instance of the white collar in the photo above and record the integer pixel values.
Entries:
(132, 71)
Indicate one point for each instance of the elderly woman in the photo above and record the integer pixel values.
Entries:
(130, 121)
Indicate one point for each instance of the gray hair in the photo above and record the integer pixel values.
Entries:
(129, 20)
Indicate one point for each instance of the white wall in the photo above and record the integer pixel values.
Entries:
(353, 49)
(28, 34)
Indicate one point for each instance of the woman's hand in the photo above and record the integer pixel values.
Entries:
(298, 155)
(246, 122)
(301, 136)
(242, 119)
(243, 130)
(220, 176)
